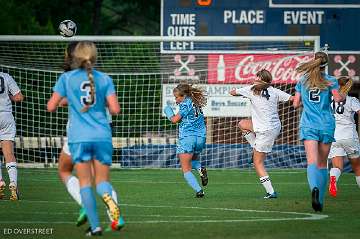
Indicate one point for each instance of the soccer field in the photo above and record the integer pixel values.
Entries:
(159, 204)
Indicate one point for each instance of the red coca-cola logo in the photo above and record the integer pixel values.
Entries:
(242, 68)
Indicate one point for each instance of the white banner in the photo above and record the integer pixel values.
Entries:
(219, 102)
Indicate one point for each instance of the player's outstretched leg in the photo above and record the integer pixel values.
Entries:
(105, 190)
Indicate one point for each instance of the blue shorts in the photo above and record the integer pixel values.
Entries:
(324, 136)
(101, 151)
(191, 145)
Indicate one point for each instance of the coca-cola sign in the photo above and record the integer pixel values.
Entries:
(242, 68)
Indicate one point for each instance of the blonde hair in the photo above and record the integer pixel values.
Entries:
(197, 95)
(313, 69)
(264, 82)
(84, 56)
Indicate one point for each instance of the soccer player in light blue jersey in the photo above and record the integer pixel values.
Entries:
(89, 135)
(192, 133)
(317, 124)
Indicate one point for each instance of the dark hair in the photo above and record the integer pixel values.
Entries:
(264, 82)
(68, 56)
(312, 71)
(197, 95)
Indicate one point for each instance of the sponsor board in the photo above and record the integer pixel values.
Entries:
(220, 103)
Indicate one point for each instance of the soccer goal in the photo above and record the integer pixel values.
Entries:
(145, 70)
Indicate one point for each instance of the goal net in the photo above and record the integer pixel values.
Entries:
(145, 70)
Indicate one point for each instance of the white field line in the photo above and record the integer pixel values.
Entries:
(181, 182)
(297, 215)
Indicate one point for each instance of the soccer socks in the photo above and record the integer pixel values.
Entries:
(323, 179)
(89, 203)
(12, 171)
(73, 187)
(266, 182)
(114, 196)
(335, 172)
(357, 178)
(104, 187)
(191, 180)
(195, 164)
(312, 176)
(250, 137)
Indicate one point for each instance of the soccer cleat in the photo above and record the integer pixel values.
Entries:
(200, 194)
(112, 207)
(82, 219)
(315, 201)
(332, 186)
(270, 195)
(2, 189)
(116, 225)
(14, 194)
(96, 232)
(203, 176)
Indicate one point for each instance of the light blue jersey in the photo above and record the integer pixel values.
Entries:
(93, 125)
(317, 112)
(192, 119)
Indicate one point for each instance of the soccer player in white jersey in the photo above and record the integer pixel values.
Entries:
(264, 126)
(346, 136)
(9, 91)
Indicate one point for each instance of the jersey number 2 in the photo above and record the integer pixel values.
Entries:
(86, 100)
(314, 95)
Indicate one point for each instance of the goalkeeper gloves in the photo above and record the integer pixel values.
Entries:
(169, 112)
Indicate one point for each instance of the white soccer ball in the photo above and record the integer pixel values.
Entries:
(67, 28)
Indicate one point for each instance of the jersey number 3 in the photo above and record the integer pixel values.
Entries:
(314, 95)
(86, 100)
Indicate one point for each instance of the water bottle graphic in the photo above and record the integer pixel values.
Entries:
(221, 69)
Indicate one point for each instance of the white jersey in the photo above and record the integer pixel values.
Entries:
(344, 118)
(264, 107)
(7, 86)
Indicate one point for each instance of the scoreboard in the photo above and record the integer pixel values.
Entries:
(337, 22)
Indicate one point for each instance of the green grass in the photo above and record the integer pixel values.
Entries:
(159, 204)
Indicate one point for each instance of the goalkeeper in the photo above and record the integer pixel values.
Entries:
(192, 133)
(347, 140)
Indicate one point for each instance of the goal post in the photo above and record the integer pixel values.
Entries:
(144, 70)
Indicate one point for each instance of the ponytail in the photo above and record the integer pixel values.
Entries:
(312, 71)
(263, 82)
(88, 67)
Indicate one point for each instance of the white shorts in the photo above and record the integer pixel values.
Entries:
(345, 147)
(264, 140)
(66, 147)
(7, 126)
